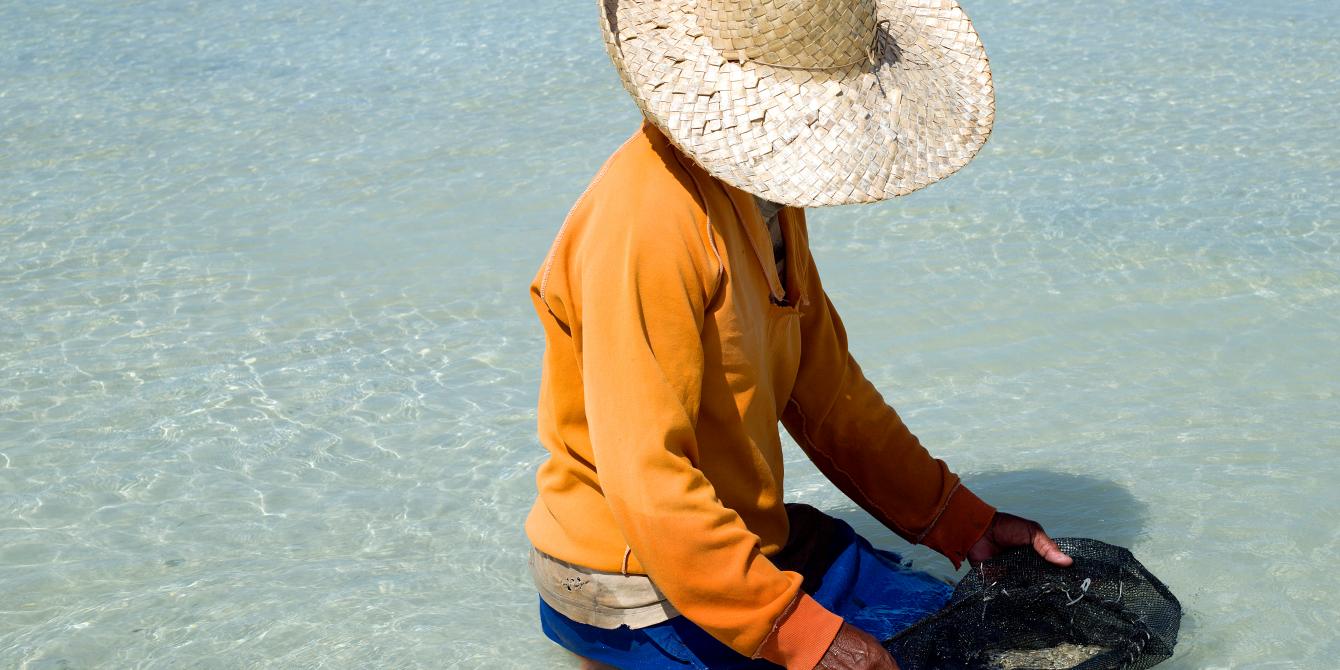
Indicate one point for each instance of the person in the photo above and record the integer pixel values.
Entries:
(684, 319)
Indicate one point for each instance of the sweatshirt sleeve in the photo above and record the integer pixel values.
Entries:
(859, 442)
(645, 287)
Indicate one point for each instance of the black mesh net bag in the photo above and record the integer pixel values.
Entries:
(1017, 611)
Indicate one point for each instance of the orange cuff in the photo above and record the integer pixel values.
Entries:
(960, 525)
(802, 635)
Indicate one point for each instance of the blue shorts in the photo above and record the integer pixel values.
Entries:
(867, 587)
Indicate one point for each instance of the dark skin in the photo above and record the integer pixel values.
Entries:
(855, 649)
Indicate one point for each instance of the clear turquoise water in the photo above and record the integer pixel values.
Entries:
(268, 364)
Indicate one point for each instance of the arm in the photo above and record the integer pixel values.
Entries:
(862, 446)
(644, 291)
(860, 443)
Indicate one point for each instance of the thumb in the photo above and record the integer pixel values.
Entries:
(1048, 550)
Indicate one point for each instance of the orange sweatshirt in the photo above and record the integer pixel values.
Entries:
(668, 364)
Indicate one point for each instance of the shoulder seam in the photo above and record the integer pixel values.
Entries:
(558, 238)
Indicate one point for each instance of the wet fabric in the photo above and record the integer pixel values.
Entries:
(869, 588)
(1106, 611)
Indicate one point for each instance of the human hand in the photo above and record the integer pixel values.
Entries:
(1007, 531)
(855, 649)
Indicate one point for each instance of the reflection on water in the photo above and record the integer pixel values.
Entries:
(267, 361)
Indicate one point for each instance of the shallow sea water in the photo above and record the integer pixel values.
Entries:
(268, 362)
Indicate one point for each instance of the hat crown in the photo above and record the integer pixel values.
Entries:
(811, 34)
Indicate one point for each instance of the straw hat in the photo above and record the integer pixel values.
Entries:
(808, 102)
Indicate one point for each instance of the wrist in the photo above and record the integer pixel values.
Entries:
(963, 522)
(802, 635)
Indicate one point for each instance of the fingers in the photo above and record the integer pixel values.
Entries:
(1008, 530)
(1048, 550)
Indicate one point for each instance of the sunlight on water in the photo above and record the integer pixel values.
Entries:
(268, 364)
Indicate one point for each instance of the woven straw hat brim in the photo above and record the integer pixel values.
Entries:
(811, 138)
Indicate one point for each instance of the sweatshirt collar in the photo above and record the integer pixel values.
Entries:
(746, 212)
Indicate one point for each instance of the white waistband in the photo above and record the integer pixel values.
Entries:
(601, 599)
